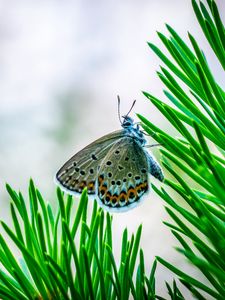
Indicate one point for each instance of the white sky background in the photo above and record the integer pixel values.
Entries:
(62, 63)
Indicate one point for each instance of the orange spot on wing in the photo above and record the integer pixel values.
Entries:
(82, 184)
(102, 189)
(122, 195)
(132, 190)
(143, 186)
(108, 194)
(91, 185)
(114, 199)
(100, 179)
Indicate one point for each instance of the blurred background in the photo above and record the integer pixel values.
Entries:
(62, 64)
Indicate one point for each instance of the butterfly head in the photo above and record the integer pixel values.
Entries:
(127, 122)
(129, 125)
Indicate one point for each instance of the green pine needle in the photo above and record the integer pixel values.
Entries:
(200, 227)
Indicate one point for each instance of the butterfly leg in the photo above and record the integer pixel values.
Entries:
(153, 145)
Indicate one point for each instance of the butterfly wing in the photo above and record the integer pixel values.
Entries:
(154, 168)
(80, 171)
(123, 176)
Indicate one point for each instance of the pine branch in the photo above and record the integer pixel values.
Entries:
(198, 117)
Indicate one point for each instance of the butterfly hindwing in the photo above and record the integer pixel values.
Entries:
(80, 171)
(123, 175)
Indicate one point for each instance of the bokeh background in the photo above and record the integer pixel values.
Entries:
(62, 64)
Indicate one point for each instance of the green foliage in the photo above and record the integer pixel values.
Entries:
(67, 257)
(195, 159)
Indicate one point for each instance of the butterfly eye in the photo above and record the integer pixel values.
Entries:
(109, 163)
(91, 171)
(127, 122)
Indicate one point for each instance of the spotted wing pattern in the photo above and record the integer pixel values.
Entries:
(80, 171)
(123, 175)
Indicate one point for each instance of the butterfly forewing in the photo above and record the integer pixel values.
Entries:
(80, 171)
(123, 175)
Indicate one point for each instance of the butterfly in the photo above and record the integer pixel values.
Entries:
(115, 168)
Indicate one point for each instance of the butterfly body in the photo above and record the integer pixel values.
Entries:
(115, 169)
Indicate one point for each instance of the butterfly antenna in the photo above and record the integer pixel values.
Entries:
(118, 97)
(131, 108)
